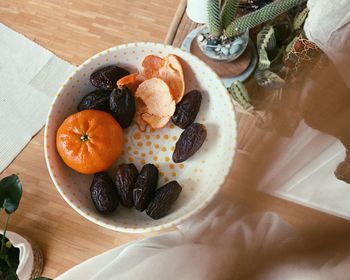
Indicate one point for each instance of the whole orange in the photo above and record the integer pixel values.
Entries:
(89, 141)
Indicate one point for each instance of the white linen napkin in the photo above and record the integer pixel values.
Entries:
(30, 76)
(225, 242)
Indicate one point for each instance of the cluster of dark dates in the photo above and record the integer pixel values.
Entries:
(119, 102)
(130, 187)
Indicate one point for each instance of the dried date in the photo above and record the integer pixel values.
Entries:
(163, 199)
(103, 193)
(122, 106)
(187, 109)
(107, 77)
(125, 179)
(190, 141)
(145, 185)
(96, 100)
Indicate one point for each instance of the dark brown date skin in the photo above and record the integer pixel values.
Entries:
(187, 109)
(122, 106)
(145, 185)
(125, 179)
(190, 141)
(96, 100)
(107, 77)
(163, 199)
(103, 193)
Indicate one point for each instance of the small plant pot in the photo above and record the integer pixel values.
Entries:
(222, 49)
(31, 259)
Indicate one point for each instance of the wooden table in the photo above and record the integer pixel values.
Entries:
(75, 30)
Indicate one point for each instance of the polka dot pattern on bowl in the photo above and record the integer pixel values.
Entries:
(201, 176)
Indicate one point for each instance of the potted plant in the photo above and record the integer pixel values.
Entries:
(283, 50)
(19, 257)
(226, 35)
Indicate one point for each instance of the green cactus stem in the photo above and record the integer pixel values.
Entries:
(214, 21)
(266, 13)
(229, 12)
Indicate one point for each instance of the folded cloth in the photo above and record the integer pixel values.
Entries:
(328, 26)
(30, 76)
(225, 243)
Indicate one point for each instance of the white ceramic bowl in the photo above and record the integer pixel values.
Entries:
(201, 176)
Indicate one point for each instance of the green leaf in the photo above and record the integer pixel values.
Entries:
(240, 95)
(266, 41)
(266, 38)
(8, 244)
(11, 276)
(300, 19)
(10, 193)
(268, 79)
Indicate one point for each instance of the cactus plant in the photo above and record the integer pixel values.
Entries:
(228, 12)
(262, 15)
(214, 19)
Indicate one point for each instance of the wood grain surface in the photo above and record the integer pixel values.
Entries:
(75, 30)
(78, 29)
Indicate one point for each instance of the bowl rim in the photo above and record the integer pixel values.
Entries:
(178, 220)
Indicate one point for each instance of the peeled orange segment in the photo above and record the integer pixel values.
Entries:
(140, 110)
(155, 93)
(131, 81)
(155, 122)
(169, 69)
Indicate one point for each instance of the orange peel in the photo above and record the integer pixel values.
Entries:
(131, 81)
(140, 109)
(158, 101)
(154, 121)
(169, 69)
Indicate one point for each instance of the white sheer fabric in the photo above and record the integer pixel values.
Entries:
(223, 243)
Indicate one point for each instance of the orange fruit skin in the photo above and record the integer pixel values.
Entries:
(169, 69)
(131, 81)
(89, 141)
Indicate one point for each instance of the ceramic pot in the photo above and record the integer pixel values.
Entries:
(30, 256)
(222, 49)
(197, 10)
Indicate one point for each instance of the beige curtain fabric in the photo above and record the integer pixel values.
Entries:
(328, 26)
